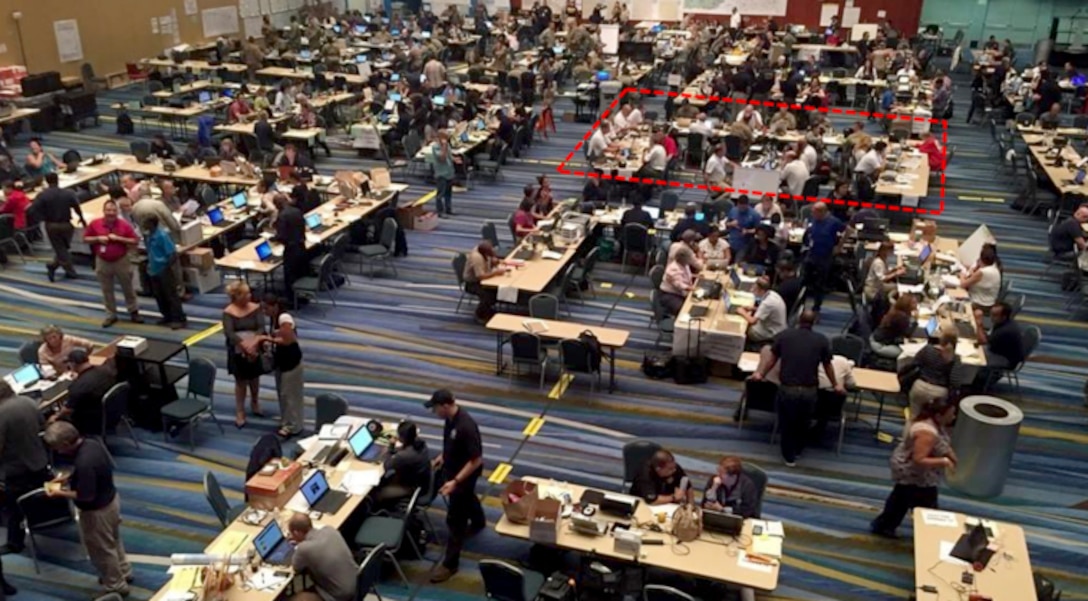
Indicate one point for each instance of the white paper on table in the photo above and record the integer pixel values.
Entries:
(774, 528)
(551, 254)
(298, 503)
(668, 509)
(507, 294)
(950, 281)
(748, 365)
(265, 579)
(360, 482)
(911, 289)
(334, 432)
(911, 349)
(744, 562)
(946, 553)
(246, 264)
(307, 443)
(939, 518)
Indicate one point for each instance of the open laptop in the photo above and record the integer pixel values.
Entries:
(973, 546)
(204, 97)
(273, 546)
(313, 222)
(362, 444)
(215, 216)
(23, 378)
(320, 496)
(264, 251)
(239, 200)
(722, 523)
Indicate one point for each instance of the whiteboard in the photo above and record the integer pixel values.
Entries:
(69, 46)
(754, 179)
(827, 11)
(746, 7)
(610, 38)
(859, 30)
(219, 21)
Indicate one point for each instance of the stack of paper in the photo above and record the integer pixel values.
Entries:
(360, 482)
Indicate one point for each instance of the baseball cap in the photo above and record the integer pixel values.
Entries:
(78, 356)
(441, 396)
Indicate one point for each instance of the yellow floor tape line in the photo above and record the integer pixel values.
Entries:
(561, 387)
(195, 338)
(533, 427)
(500, 473)
(425, 199)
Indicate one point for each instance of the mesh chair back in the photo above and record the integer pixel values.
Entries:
(201, 378)
(525, 346)
(544, 306)
(759, 478)
(1030, 336)
(811, 187)
(114, 405)
(502, 581)
(389, 234)
(1016, 301)
(575, 356)
(849, 346)
(590, 261)
(70, 156)
(669, 200)
(636, 237)
(635, 456)
(660, 592)
(140, 147)
(28, 352)
(734, 147)
(657, 274)
(460, 260)
(328, 408)
(487, 232)
(370, 572)
(216, 498)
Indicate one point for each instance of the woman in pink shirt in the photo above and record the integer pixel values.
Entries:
(671, 147)
(678, 281)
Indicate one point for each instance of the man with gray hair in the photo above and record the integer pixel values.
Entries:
(324, 555)
(90, 486)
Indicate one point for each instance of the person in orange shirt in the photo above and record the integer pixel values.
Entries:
(933, 150)
(15, 204)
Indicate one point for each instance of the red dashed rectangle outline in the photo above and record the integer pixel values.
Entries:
(837, 111)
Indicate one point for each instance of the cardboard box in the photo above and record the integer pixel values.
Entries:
(426, 222)
(200, 258)
(191, 233)
(203, 280)
(275, 490)
(544, 521)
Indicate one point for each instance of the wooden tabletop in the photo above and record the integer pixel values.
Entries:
(558, 330)
(717, 320)
(17, 114)
(535, 274)
(281, 72)
(1061, 177)
(1007, 577)
(246, 129)
(195, 65)
(915, 169)
(710, 556)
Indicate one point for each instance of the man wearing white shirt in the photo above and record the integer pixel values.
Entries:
(634, 117)
(714, 171)
(701, 126)
(794, 174)
(873, 161)
(599, 141)
(619, 120)
(768, 319)
(750, 117)
(734, 19)
(808, 155)
(656, 159)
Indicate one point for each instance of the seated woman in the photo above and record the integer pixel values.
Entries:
(983, 280)
(55, 347)
(543, 202)
(896, 326)
(678, 281)
(880, 281)
(714, 251)
(938, 372)
(524, 222)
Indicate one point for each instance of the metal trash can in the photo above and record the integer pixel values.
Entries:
(984, 439)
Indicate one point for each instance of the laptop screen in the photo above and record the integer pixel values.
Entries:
(395, 97)
(1078, 179)
(439, 100)
(204, 97)
(313, 220)
(394, 77)
(360, 441)
(655, 212)
(215, 215)
(26, 375)
(361, 28)
(315, 487)
(264, 250)
(306, 54)
(239, 200)
(360, 58)
(465, 138)
(926, 251)
(932, 326)
(603, 75)
(229, 92)
(269, 538)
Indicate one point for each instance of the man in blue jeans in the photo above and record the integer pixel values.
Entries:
(822, 238)
(800, 353)
(443, 161)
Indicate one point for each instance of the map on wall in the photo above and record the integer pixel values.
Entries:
(746, 7)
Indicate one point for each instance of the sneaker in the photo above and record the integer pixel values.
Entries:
(789, 463)
(109, 321)
(441, 574)
(882, 532)
(174, 325)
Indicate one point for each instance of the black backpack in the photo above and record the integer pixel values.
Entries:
(125, 127)
(593, 348)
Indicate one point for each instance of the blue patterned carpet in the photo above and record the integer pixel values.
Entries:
(391, 342)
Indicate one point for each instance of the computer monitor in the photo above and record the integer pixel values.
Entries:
(314, 487)
(924, 255)
(360, 441)
(204, 97)
(394, 32)
(239, 200)
(264, 251)
(395, 97)
(361, 28)
(215, 215)
(26, 375)
(313, 220)
(360, 58)
(655, 212)
(394, 77)
(439, 100)
(228, 92)
(932, 326)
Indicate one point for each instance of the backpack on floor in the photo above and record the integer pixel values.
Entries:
(125, 127)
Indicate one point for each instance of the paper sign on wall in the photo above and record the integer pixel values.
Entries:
(828, 10)
(253, 27)
(191, 7)
(154, 25)
(881, 14)
(851, 16)
(219, 21)
(3, 48)
(69, 46)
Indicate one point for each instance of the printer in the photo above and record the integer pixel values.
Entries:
(131, 346)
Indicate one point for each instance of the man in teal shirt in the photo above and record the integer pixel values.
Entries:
(161, 254)
(443, 161)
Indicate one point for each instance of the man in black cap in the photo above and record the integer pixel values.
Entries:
(462, 462)
(84, 404)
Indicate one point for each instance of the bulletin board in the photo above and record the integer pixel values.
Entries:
(220, 21)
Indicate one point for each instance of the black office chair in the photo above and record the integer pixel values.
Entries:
(635, 238)
(635, 456)
(505, 582)
(849, 346)
(329, 408)
(370, 572)
(527, 349)
(115, 412)
(759, 478)
(28, 351)
(459, 262)
(575, 357)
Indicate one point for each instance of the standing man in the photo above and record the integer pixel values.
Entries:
(323, 554)
(462, 462)
(83, 407)
(291, 233)
(823, 239)
(23, 460)
(162, 256)
(110, 239)
(801, 352)
(54, 207)
(91, 487)
(444, 173)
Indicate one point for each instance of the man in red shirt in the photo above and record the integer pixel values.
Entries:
(16, 204)
(932, 149)
(110, 239)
